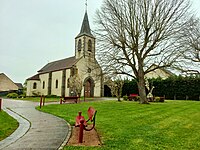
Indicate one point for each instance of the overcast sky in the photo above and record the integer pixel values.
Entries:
(35, 32)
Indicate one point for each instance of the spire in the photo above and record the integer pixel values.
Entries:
(85, 28)
(86, 6)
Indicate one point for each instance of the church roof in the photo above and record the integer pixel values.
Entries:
(59, 65)
(85, 28)
(35, 77)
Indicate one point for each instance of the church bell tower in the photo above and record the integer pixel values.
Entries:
(85, 41)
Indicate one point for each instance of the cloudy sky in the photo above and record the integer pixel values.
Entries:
(35, 32)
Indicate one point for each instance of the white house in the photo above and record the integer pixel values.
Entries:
(158, 73)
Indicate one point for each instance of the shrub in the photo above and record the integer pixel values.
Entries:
(12, 95)
(137, 98)
(22, 96)
(157, 99)
(162, 99)
(125, 98)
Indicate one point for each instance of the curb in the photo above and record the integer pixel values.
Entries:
(24, 126)
(67, 137)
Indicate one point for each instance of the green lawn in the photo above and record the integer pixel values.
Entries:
(172, 125)
(37, 99)
(47, 99)
(7, 125)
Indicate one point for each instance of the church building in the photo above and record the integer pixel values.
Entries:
(53, 78)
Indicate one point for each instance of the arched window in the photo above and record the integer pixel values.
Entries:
(79, 45)
(34, 85)
(43, 85)
(68, 83)
(56, 84)
(89, 45)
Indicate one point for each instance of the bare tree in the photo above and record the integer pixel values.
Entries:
(116, 86)
(189, 41)
(75, 83)
(134, 34)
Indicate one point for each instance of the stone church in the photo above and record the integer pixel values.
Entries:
(53, 78)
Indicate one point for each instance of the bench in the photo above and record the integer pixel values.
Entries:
(132, 97)
(82, 123)
(73, 99)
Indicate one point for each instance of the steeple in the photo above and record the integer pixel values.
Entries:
(85, 28)
(85, 41)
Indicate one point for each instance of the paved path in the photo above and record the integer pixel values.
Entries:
(37, 130)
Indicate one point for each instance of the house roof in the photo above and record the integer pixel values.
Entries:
(6, 84)
(35, 77)
(163, 69)
(85, 28)
(20, 86)
(59, 65)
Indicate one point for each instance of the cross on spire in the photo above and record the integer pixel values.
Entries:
(86, 5)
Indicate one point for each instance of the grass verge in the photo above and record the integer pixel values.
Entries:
(7, 125)
(128, 125)
(48, 99)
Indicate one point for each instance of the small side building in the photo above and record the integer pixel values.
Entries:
(158, 73)
(7, 85)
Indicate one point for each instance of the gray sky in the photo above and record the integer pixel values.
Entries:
(35, 32)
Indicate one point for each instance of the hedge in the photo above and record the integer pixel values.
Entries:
(175, 87)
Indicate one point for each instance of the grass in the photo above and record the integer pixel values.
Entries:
(37, 99)
(128, 125)
(7, 125)
(47, 99)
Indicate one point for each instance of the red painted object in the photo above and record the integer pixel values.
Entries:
(43, 100)
(81, 131)
(60, 100)
(132, 97)
(40, 101)
(91, 112)
(70, 98)
(82, 123)
(0, 104)
(79, 118)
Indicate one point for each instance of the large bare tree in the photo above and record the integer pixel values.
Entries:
(189, 41)
(134, 34)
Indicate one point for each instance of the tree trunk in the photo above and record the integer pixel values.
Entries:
(118, 99)
(141, 87)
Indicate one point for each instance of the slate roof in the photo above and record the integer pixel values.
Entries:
(85, 28)
(59, 65)
(35, 77)
(20, 86)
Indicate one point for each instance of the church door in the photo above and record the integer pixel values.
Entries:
(88, 88)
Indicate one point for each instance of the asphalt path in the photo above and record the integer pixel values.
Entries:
(37, 130)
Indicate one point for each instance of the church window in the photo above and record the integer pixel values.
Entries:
(43, 85)
(56, 84)
(34, 85)
(79, 45)
(68, 83)
(90, 45)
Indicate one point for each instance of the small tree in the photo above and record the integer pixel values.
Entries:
(115, 86)
(75, 83)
